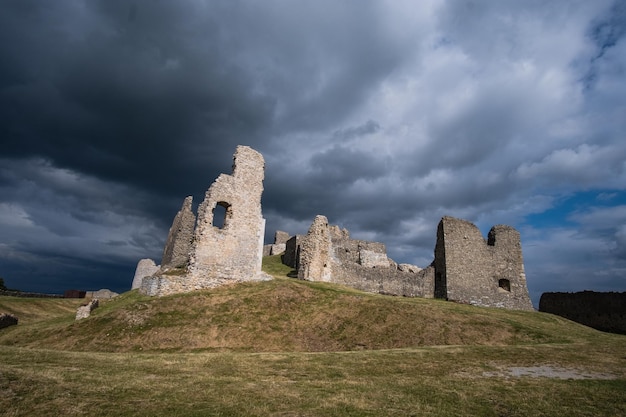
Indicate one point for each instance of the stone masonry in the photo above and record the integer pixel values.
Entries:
(466, 269)
(279, 245)
(472, 270)
(291, 257)
(604, 311)
(225, 245)
(224, 250)
(180, 238)
(145, 268)
(327, 253)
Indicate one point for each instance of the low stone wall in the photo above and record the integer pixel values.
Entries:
(11, 293)
(604, 311)
(102, 294)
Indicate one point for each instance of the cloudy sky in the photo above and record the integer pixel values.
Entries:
(382, 115)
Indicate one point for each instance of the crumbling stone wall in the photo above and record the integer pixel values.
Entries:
(604, 311)
(180, 237)
(145, 268)
(279, 245)
(225, 250)
(470, 269)
(291, 257)
(327, 253)
(315, 252)
(101, 294)
(467, 268)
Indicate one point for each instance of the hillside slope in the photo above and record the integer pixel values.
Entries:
(288, 315)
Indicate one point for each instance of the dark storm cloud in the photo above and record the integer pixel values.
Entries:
(117, 97)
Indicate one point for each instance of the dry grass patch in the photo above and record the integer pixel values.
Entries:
(31, 310)
(424, 381)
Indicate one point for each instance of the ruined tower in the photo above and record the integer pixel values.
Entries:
(476, 271)
(226, 245)
(230, 229)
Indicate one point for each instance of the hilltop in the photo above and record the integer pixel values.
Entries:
(285, 315)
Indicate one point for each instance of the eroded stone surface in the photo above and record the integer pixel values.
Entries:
(467, 268)
(180, 237)
(472, 270)
(327, 253)
(145, 268)
(227, 245)
(102, 294)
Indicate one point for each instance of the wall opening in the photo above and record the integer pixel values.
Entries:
(221, 214)
(504, 284)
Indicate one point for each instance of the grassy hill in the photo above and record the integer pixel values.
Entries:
(287, 315)
(293, 348)
(32, 310)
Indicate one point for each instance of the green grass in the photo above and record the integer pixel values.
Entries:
(423, 381)
(294, 348)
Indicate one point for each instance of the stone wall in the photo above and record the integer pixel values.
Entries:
(279, 245)
(180, 237)
(470, 269)
(604, 311)
(101, 294)
(467, 268)
(327, 253)
(291, 257)
(14, 293)
(227, 249)
(145, 268)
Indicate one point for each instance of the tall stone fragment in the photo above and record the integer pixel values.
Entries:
(145, 268)
(227, 243)
(230, 249)
(315, 252)
(470, 269)
(180, 237)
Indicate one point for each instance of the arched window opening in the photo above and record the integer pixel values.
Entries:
(221, 214)
(504, 284)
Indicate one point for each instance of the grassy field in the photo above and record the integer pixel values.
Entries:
(292, 348)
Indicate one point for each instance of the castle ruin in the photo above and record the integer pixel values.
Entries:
(225, 244)
(466, 269)
(472, 270)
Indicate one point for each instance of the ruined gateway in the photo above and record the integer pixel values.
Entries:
(208, 252)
